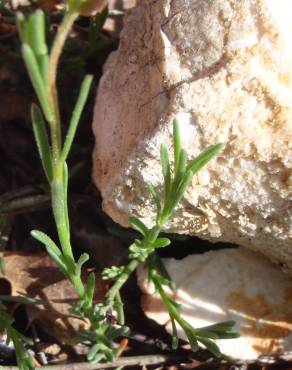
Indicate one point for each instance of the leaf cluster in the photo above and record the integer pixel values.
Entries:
(102, 335)
(176, 180)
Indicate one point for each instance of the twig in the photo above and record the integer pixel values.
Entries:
(123, 361)
(25, 204)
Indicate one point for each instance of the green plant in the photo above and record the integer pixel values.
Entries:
(176, 180)
(42, 68)
(53, 150)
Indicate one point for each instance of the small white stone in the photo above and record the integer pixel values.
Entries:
(230, 284)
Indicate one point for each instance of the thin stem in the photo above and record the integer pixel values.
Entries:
(114, 290)
(59, 210)
(172, 311)
(131, 267)
(59, 182)
(120, 309)
(121, 362)
(62, 34)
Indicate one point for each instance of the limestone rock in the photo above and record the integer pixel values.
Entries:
(223, 68)
(230, 284)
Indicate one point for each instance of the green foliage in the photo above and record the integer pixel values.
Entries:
(83, 95)
(42, 140)
(176, 180)
(104, 332)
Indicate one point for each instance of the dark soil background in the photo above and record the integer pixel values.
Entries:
(25, 204)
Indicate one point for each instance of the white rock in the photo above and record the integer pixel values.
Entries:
(230, 284)
(224, 69)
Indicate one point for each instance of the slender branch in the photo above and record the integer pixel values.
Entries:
(58, 183)
(121, 362)
(62, 34)
(59, 42)
(132, 265)
(115, 288)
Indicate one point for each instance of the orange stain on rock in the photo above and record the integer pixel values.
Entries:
(267, 323)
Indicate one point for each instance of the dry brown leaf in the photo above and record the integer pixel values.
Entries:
(36, 276)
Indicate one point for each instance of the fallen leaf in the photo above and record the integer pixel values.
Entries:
(36, 276)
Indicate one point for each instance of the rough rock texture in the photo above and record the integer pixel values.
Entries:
(230, 284)
(224, 69)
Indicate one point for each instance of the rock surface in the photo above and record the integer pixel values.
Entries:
(223, 68)
(230, 284)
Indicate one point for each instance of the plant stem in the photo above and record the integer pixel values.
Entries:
(138, 361)
(58, 183)
(131, 267)
(62, 34)
(114, 290)
(172, 311)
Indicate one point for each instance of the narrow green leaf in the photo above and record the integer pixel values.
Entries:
(36, 79)
(43, 61)
(92, 352)
(228, 335)
(211, 346)
(66, 212)
(41, 137)
(176, 305)
(59, 261)
(96, 24)
(52, 250)
(174, 344)
(206, 334)
(90, 288)
(221, 326)
(183, 158)
(83, 95)
(119, 306)
(193, 341)
(161, 243)
(155, 196)
(97, 358)
(36, 33)
(165, 169)
(159, 265)
(153, 234)
(46, 240)
(204, 157)
(180, 172)
(139, 226)
(176, 144)
(180, 190)
(82, 259)
(22, 26)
